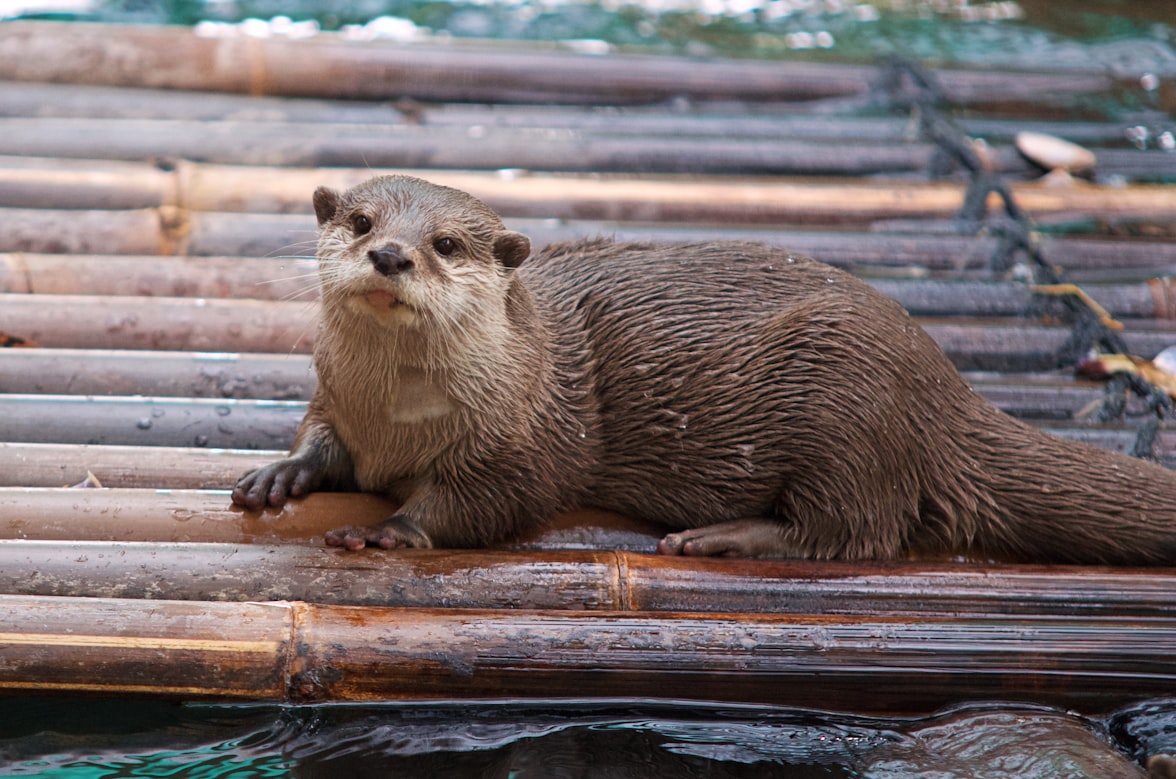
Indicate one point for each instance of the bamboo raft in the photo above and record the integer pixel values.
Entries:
(155, 224)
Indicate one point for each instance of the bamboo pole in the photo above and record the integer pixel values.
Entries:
(303, 653)
(589, 580)
(700, 119)
(327, 65)
(170, 324)
(192, 468)
(65, 371)
(224, 423)
(154, 275)
(488, 148)
(291, 377)
(687, 199)
(297, 279)
(177, 515)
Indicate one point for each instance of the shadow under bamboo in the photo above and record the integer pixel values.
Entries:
(305, 653)
(181, 468)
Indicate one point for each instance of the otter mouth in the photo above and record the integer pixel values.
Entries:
(382, 299)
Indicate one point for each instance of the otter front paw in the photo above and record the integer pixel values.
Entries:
(397, 532)
(272, 484)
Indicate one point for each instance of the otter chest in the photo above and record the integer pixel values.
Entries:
(395, 428)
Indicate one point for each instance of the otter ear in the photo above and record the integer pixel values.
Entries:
(511, 248)
(326, 204)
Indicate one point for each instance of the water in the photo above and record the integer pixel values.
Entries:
(89, 739)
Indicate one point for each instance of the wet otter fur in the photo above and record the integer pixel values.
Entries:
(758, 402)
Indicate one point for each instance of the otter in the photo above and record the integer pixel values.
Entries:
(758, 403)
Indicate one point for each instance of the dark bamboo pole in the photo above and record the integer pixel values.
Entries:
(181, 468)
(563, 579)
(308, 653)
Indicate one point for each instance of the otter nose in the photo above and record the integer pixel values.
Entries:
(388, 261)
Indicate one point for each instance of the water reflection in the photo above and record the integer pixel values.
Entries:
(69, 739)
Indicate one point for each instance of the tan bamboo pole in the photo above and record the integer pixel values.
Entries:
(196, 324)
(204, 277)
(600, 579)
(745, 201)
(211, 325)
(304, 653)
(191, 468)
(177, 515)
(156, 373)
(327, 65)
(297, 279)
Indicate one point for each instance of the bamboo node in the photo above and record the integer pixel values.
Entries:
(175, 230)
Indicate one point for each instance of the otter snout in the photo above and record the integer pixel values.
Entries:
(388, 261)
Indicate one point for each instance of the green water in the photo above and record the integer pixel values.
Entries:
(1123, 35)
(91, 739)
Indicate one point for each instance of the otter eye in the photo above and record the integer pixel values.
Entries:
(445, 246)
(361, 224)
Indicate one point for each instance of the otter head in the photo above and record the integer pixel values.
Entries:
(405, 252)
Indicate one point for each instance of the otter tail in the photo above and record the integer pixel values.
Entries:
(1045, 499)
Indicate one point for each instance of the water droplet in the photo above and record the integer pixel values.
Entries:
(144, 423)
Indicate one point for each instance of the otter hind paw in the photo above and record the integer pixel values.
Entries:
(739, 538)
(396, 532)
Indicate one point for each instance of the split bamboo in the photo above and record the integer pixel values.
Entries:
(329, 66)
(303, 653)
(186, 467)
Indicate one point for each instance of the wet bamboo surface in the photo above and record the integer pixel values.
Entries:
(155, 242)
